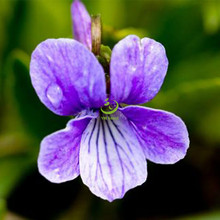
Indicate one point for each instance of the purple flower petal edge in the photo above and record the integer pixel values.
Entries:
(111, 158)
(67, 77)
(81, 24)
(137, 70)
(163, 135)
(58, 159)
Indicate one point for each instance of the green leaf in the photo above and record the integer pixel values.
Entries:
(12, 169)
(110, 11)
(110, 33)
(2, 208)
(215, 215)
(5, 12)
(13, 144)
(205, 66)
(211, 16)
(39, 20)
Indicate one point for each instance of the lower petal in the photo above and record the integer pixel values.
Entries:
(111, 158)
(163, 135)
(58, 159)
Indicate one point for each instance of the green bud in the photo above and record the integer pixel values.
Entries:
(105, 52)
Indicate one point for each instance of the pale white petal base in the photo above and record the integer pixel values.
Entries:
(111, 158)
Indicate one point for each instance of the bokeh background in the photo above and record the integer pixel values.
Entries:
(190, 32)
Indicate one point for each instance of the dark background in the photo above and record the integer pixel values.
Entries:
(190, 32)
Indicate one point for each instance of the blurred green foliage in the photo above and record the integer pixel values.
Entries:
(190, 32)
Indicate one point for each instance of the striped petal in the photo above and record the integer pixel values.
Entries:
(58, 159)
(67, 77)
(137, 70)
(164, 136)
(111, 158)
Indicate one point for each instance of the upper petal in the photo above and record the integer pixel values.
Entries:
(137, 70)
(58, 159)
(163, 135)
(67, 77)
(81, 23)
(111, 158)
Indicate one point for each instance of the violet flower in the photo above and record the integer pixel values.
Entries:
(109, 155)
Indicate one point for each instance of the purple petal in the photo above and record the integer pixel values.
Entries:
(81, 24)
(164, 135)
(137, 70)
(58, 159)
(67, 77)
(111, 158)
